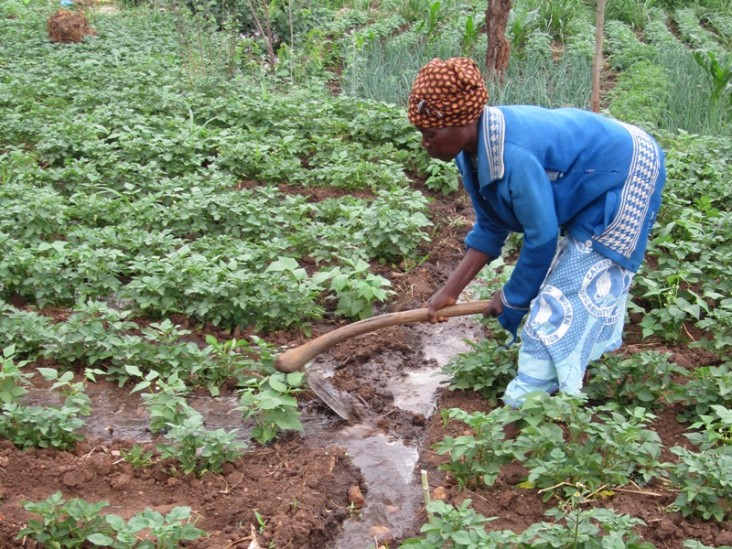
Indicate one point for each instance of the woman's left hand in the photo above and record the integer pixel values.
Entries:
(495, 306)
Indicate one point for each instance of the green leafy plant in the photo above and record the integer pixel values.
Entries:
(565, 444)
(13, 380)
(48, 427)
(713, 430)
(486, 368)
(63, 523)
(479, 456)
(355, 288)
(76, 523)
(138, 456)
(719, 72)
(165, 399)
(168, 531)
(198, 450)
(704, 482)
(593, 528)
(706, 387)
(645, 379)
(270, 402)
(456, 527)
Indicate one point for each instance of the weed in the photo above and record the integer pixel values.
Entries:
(138, 457)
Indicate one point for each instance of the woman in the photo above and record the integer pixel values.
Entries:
(545, 173)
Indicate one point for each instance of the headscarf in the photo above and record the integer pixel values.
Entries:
(447, 93)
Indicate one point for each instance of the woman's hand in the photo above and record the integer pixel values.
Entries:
(469, 266)
(495, 306)
(436, 302)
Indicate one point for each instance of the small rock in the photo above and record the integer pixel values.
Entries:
(505, 499)
(71, 479)
(120, 482)
(439, 493)
(681, 360)
(355, 496)
(235, 478)
(172, 481)
(665, 529)
(381, 533)
(724, 539)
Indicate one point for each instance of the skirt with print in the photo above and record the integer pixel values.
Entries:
(577, 316)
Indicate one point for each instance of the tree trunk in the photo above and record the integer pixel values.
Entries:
(499, 48)
(597, 62)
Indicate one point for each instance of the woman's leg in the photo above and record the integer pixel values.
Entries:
(578, 314)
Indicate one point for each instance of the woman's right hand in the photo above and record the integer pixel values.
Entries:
(437, 302)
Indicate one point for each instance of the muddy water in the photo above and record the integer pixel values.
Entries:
(387, 462)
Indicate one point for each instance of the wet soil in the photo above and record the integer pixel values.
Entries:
(335, 485)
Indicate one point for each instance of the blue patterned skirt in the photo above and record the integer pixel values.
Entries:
(578, 315)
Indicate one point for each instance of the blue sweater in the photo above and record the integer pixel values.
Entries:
(544, 171)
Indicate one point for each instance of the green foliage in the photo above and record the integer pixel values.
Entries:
(168, 531)
(396, 226)
(479, 456)
(138, 457)
(640, 95)
(719, 72)
(164, 399)
(442, 177)
(692, 31)
(593, 528)
(624, 47)
(270, 401)
(76, 523)
(704, 482)
(457, 527)
(198, 450)
(633, 12)
(560, 18)
(571, 526)
(26, 331)
(714, 429)
(566, 444)
(355, 288)
(691, 544)
(486, 368)
(645, 379)
(706, 387)
(48, 427)
(13, 380)
(63, 523)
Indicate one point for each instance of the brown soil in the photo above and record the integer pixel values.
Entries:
(291, 494)
(68, 27)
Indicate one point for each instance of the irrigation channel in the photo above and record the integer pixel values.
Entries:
(387, 460)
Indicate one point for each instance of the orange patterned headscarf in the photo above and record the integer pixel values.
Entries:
(447, 93)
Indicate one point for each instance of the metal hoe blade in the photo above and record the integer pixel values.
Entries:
(342, 403)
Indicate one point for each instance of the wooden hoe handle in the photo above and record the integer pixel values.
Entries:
(295, 359)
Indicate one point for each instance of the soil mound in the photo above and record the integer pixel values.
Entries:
(68, 27)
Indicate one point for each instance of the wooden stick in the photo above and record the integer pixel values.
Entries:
(295, 359)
